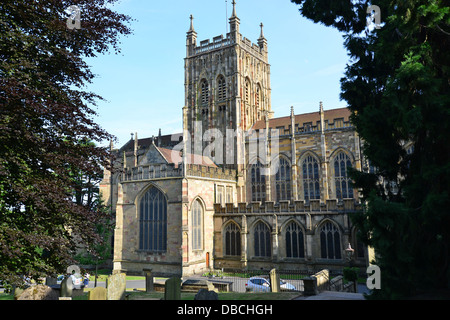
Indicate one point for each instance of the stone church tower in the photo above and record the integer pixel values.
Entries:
(227, 90)
(203, 199)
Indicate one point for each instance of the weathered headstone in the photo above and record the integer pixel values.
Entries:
(73, 269)
(117, 285)
(66, 287)
(204, 294)
(39, 292)
(310, 286)
(50, 281)
(173, 289)
(98, 293)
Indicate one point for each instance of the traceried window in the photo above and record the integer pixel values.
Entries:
(262, 242)
(295, 245)
(344, 186)
(221, 89)
(232, 240)
(204, 92)
(153, 222)
(310, 170)
(258, 182)
(330, 241)
(283, 180)
(197, 225)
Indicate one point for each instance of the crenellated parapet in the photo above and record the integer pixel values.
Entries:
(196, 170)
(159, 171)
(151, 171)
(297, 206)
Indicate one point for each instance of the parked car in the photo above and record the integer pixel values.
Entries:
(77, 280)
(260, 284)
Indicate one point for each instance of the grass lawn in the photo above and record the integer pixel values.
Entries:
(140, 295)
(103, 274)
(222, 296)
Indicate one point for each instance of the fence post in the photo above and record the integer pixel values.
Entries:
(274, 280)
(149, 287)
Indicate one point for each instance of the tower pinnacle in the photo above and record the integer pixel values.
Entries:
(234, 9)
(192, 23)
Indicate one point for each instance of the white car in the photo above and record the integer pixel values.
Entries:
(259, 284)
(77, 280)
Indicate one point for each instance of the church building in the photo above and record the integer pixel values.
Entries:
(238, 188)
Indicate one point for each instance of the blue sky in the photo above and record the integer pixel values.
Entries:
(144, 85)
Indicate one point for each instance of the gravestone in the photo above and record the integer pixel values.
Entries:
(204, 294)
(173, 289)
(98, 293)
(117, 285)
(50, 281)
(73, 269)
(39, 292)
(310, 286)
(66, 287)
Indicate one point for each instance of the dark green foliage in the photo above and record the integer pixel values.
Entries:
(397, 85)
(45, 122)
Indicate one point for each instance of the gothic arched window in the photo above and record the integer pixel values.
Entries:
(257, 96)
(344, 186)
(258, 182)
(283, 180)
(204, 92)
(295, 245)
(232, 240)
(330, 241)
(221, 89)
(153, 221)
(262, 241)
(247, 91)
(310, 170)
(197, 225)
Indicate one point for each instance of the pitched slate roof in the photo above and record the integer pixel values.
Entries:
(175, 157)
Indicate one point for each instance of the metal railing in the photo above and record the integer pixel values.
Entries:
(257, 280)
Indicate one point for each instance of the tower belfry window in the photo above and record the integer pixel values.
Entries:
(247, 91)
(221, 89)
(204, 92)
(257, 96)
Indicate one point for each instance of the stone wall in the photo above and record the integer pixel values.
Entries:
(311, 218)
(126, 246)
